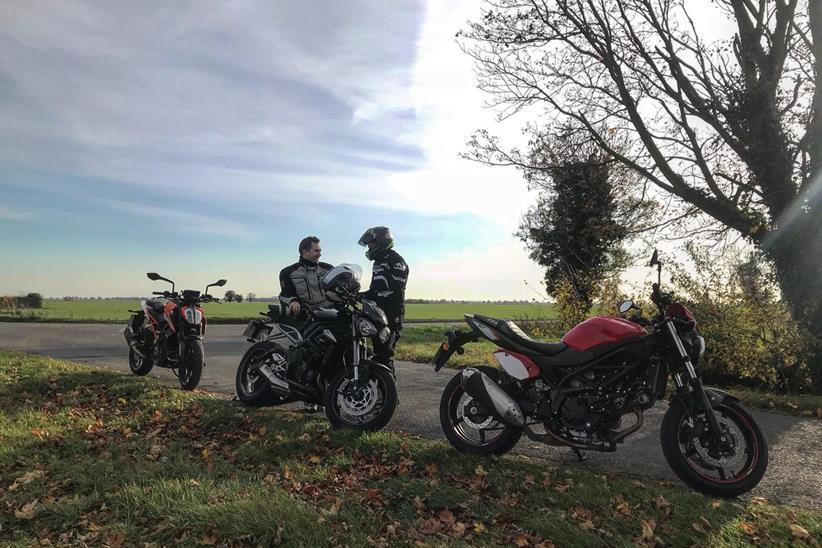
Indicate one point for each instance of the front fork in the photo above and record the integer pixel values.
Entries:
(357, 351)
(696, 387)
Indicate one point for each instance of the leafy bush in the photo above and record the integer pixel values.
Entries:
(32, 300)
(750, 336)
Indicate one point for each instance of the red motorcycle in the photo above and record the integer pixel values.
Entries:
(579, 392)
(168, 332)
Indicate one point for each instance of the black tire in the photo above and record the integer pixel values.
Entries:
(380, 388)
(191, 365)
(139, 365)
(256, 392)
(686, 454)
(453, 402)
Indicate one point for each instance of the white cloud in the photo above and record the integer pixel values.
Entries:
(194, 223)
(499, 271)
(12, 215)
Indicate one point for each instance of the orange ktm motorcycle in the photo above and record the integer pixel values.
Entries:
(589, 391)
(168, 332)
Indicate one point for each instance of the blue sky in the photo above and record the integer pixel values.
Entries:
(204, 140)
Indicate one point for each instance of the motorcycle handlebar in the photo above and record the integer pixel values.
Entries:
(158, 292)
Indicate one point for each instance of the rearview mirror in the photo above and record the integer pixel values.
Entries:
(625, 306)
(153, 276)
(220, 283)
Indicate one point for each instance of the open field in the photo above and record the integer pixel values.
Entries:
(93, 457)
(55, 310)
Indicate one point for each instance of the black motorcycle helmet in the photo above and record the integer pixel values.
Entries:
(381, 235)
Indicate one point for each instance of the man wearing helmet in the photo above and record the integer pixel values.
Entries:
(300, 284)
(388, 280)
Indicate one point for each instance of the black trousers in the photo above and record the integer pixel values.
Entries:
(384, 352)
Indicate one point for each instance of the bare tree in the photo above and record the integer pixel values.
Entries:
(730, 130)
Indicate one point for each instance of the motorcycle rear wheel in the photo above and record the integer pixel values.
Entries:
(694, 460)
(139, 365)
(478, 435)
(251, 386)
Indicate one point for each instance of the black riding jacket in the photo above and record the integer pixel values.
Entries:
(389, 276)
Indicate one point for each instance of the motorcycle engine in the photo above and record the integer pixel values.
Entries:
(584, 412)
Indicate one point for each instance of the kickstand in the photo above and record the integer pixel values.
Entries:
(580, 456)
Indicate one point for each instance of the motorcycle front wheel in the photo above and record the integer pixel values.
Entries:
(691, 452)
(365, 405)
(191, 365)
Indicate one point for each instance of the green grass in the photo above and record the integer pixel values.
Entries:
(805, 405)
(55, 310)
(96, 457)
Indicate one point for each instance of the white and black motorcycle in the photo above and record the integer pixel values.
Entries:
(325, 360)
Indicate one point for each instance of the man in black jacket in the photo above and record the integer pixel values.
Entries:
(300, 287)
(388, 279)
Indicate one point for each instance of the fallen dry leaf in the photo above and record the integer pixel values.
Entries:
(28, 511)
(480, 471)
(748, 528)
(799, 532)
(479, 528)
(28, 477)
(648, 529)
(446, 516)
(578, 512)
(621, 506)
(561, 487)
(116, 540)
(430, 526)
(663, 505)
(586, 525)
(521, 541)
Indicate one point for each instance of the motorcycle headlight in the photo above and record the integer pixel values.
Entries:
(192, 315)
(366, 328)
(384, 334)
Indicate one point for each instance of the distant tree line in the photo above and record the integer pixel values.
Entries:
(463, 301)
(31, 300)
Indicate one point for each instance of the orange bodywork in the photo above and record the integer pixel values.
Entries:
(167, 310)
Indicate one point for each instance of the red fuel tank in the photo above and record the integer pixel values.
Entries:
(601, 330)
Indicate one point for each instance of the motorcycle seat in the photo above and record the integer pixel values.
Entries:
(513, 332)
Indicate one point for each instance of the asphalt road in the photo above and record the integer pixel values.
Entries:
(794, 474)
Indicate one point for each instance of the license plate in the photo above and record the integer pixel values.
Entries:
(250, 329)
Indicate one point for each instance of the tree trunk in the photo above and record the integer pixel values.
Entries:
(796, 250)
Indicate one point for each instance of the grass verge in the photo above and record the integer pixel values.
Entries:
(92, 457)
(117, 311)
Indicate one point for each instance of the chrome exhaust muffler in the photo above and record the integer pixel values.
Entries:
(489, 395)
